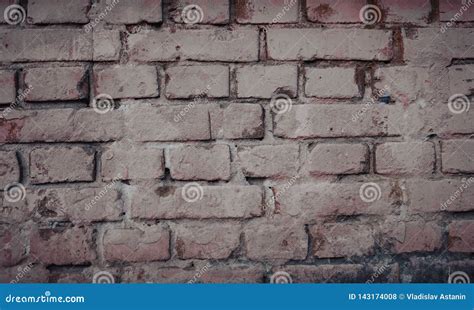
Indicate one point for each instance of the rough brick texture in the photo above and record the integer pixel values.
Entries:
(218, 141)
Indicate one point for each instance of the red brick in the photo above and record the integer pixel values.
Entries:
(159, 123)
(343, 44)
(125, 161)
(61, 125)
(56, 83)
(326, 11)
(269, 161)
(164, 202)
(314, 200)
(82, 205)
(456, 10)
(266, 11)
(425, 46)
(322, 82)
(330, 121)
(130, 11)
(278, 239)
(227, 123)
(57, 11)
(408, 237)
(406, 11)
(13, 245)
(342, 240)
(126, 81)
(8, 90)
(9, 168)
(203, 241)
(441, 195)
(456, 156)
(191, 81)
(61, 164)
(402, 158)
(461, 236)
(261, 81)
(107, 44)
(45, 45)
(213, 12)
(194, 44)
(200, 163)
(67, 246)
(137, 245)
(341, 158)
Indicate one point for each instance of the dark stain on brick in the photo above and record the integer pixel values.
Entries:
(323, 11)
(165, 191)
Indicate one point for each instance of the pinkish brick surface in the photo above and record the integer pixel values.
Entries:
(225, 141)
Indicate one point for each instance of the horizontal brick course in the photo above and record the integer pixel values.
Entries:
(338, 44)
(58, 83)
(61, 164)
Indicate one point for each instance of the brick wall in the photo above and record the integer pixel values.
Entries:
(236, 141)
